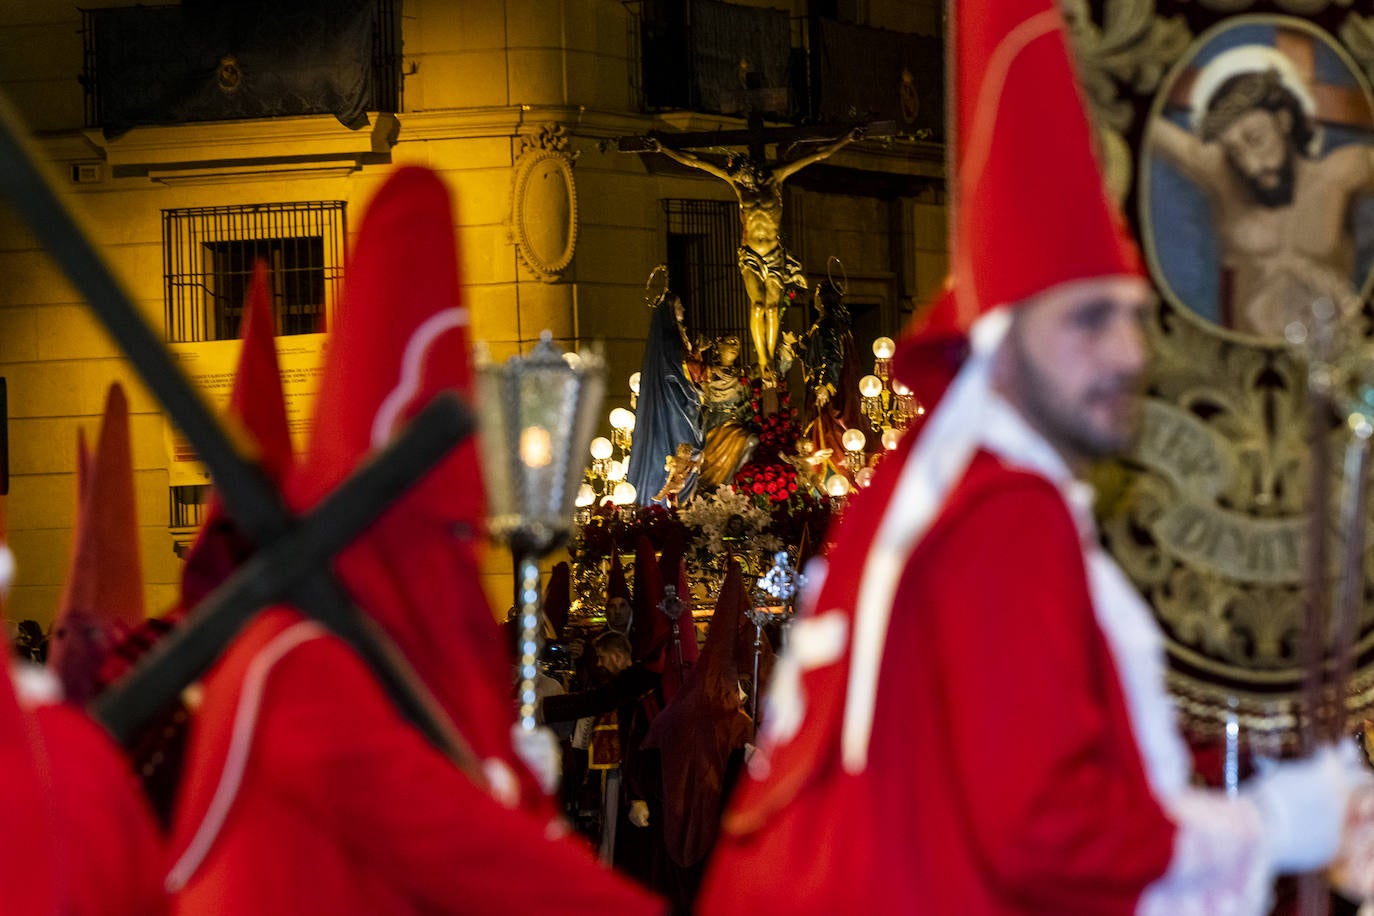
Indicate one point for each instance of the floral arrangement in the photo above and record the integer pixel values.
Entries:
(609, 527)
(773, 482)
(727, 514)
(778, 431)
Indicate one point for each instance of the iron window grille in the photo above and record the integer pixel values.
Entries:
(209, 254)
(703, 267)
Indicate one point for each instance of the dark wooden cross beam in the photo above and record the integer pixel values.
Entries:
(248, 497)
(752, 137)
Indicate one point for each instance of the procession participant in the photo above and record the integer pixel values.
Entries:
(621, 706)
(306, 790)
(257, 404)
(972, 715)
(102, 597)
(696, 745)
(78, 837)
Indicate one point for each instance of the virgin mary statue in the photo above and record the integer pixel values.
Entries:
(668, 413)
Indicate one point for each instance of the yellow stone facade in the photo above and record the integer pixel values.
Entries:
(484, 79)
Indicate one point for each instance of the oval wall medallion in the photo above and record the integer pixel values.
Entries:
(544, 212)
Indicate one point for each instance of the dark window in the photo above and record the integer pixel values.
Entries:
(703, 238)
(208, 259)
(176, 63)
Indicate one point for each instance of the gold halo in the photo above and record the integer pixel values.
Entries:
(841, 288)
(650, 296)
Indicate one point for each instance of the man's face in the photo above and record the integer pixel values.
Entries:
(1260, 151)
(1072, 364)
(618, 614)
(612, 660)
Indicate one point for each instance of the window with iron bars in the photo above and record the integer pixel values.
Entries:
(703, 267)
(208, 256)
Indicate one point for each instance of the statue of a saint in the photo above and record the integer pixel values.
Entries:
(725, 414)
(766, 266)
(832, 373)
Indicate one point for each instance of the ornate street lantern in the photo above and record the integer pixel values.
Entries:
(537, 414)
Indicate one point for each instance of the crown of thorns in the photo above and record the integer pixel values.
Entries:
(1241, 94)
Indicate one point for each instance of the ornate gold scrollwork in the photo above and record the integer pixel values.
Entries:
(1207, 516)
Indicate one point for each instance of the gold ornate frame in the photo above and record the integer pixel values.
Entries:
(1207, 515)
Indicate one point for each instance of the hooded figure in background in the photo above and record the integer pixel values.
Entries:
(700, 738)
(257, 404)
(78, 836)
(102, 599)
(306, 789)
(668, 413)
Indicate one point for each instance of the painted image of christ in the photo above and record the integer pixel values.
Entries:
(1258, 191)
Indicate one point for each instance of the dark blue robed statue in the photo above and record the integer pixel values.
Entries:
(668, 413)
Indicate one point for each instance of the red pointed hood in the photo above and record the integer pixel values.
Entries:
(616, 586)
(717, 671)
(698, 731)
(103, 595)
(650, 632)
(27, 844)
(401, 339)
(259, 406)
(1026, 215)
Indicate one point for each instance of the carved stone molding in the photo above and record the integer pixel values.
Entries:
(543, 213)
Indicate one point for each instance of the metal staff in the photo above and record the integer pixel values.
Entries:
(1318, 341)
(1354, 501)
(775, 598)
(672, 606)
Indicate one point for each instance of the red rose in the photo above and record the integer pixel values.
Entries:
(758, 488)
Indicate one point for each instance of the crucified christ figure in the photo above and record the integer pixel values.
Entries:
(766, 266)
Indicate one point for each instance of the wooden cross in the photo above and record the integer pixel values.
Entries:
(291, 562)
(756, 137)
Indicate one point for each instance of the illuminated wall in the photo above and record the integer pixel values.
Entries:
(485, 80)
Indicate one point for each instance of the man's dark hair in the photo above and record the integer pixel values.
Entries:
(611, 641)
(1259, 89)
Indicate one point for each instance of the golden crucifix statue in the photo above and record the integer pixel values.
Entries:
(766, 266)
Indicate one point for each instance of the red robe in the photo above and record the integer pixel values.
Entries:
(340, 806)
(1002, 775)
(77, 837)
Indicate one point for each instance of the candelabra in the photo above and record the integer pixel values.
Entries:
(837, 486)
(622, 429)
(854, 441)
(885, 401)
